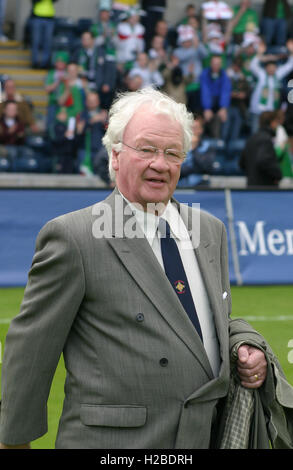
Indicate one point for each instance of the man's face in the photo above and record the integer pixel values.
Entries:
(9, 87)
(72, 71)
(87, 40)
(133, 20)
(271, 69)
(161, 28)
(190, 11)
(60, 65)
(157, 42)
(142, 59)
(104, 15)
(92, 101)
(216, 64)
(148, 181)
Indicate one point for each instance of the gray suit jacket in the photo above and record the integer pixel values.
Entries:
(137, 373)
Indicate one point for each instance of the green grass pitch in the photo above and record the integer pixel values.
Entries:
(268, 309)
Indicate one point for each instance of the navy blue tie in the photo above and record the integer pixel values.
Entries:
(176, 274)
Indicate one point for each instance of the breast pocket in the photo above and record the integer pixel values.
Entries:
(124, 416)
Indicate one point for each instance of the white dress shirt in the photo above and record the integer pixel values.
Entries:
(149, 225)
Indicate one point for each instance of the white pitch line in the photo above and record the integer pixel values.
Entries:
(5, 321)
(264, 318)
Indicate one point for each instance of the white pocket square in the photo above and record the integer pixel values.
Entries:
(224, 295)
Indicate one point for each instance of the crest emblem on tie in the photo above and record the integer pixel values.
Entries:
(179, 287)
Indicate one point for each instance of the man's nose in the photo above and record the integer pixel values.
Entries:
(160, 162)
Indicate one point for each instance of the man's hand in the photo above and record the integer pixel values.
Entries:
(222, 113)
(289, 45)
(208, 114)
(261, 48)
(251, 366)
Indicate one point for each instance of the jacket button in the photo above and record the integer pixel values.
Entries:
(140, 317)
(163, 362)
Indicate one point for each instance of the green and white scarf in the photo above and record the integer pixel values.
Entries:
(265, 92)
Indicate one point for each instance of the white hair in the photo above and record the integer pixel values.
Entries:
(125, 106)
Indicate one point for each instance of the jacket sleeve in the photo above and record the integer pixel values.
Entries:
(205, 94)
(37, 335)
(279, 406)
(276, 394)
(267, 160)
(256, 68)
(285, 69)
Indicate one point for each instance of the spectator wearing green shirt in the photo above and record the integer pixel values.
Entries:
(104, 30)
(245, 19)
(72, 92)
(274, 23)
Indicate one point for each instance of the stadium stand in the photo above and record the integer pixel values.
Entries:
(230, 37)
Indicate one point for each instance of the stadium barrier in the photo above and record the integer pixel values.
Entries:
(259, 226)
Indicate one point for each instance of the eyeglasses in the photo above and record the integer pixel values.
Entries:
(147, 152)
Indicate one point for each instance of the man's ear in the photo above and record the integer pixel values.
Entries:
(115, 159)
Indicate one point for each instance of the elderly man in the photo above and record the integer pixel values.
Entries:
(135, 292)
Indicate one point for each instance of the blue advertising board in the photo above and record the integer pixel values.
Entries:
(263, 225)
(259, 227)
(22, 214)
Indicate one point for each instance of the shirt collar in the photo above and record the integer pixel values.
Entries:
(177, 226)
(149, 222)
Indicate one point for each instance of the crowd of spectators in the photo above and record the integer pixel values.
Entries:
(228, 64)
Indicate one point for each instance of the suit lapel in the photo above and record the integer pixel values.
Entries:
(140, 261)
